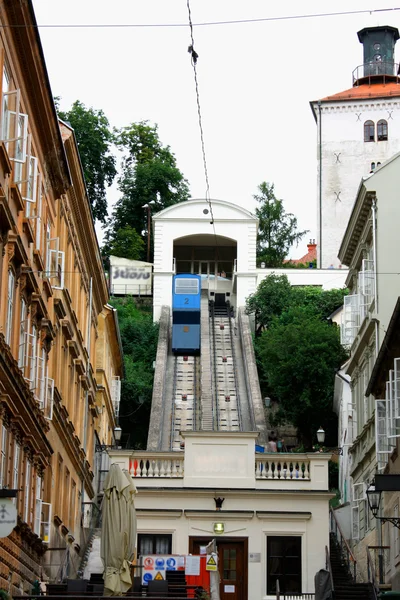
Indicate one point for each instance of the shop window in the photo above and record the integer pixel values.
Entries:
(154, 544)
(284, 564)
(369, 131)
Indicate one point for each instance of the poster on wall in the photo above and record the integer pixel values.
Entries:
(156, 566)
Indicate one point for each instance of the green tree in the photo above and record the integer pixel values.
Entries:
(95, 138)
(300, 354)
(149, 175)
(275, 294)
(127, 243)
(277, 229)
(139, 341)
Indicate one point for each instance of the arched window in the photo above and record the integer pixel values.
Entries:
(369, 131)
(372, 167)
(382, 130)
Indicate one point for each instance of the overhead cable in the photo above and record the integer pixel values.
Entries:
(206, 23)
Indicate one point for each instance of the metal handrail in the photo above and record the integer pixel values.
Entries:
(238, 406)
(215, 383)
(328, 567)
(385, 69)
(372, 574)
(343, 544)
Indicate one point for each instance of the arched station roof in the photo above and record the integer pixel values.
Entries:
(194, 209)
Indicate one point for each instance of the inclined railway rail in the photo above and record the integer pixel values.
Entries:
(185, 406)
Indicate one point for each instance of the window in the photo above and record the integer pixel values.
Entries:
(27, 497)
(3, 457)
(369, 131)
(382, 130)
(116, 394)
(396, 532)
(17, 452)
(15, 126)
(154, 544)
(284, 563)
(22, 332)
(55, 263)
(186, 286)
(373, 165)
(10, 305)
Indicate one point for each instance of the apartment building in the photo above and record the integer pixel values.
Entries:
(369, 250)
(60, 352)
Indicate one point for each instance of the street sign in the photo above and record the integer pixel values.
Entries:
(8, 516)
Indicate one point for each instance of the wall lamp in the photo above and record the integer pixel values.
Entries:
(374, 500)
(321, 440)
(117, 439)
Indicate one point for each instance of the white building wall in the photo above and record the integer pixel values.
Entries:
(346, 158)
(188, 219)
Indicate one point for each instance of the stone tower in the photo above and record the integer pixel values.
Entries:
(357, 130)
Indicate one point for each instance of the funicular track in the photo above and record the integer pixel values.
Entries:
(184, 399)
(226, 397)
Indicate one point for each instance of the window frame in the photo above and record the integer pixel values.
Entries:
(270, 589)
(382, 131)
(369, 126)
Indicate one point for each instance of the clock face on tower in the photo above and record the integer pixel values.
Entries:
(378, 58)
(377, 46)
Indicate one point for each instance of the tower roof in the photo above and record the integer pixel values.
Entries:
(367, 30)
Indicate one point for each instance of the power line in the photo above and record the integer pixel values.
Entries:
(202, 24)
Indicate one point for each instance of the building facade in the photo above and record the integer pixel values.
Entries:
(273, 516)
(57, 382)
(368, 249)
(358, 129)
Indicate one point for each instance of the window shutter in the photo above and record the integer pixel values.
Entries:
(45, 522)
(350, 319)
(116, 394)
(48, 406)
(382, 425)
(38, 506)
(15, 127)
(355, 522)
(55, 263)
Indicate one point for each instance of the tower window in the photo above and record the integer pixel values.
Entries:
(369, 131)
(372, 167)
(382, 130)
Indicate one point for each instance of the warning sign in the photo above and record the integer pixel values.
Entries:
(148, 563)
(158, 576)
(212, 562)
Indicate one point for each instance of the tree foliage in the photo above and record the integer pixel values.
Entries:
(275, 294)
(300, 354)
(277, 229)
(94, 137)
(139, 340)
(127, 243)
(149, 175)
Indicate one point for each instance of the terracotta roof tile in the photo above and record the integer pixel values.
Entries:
(365, 91)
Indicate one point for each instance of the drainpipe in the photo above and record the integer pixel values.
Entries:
(320, 180)
(373, 208)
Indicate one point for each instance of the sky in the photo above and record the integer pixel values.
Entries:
(255, 81)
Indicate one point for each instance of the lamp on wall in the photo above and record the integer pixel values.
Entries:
(219, 528)
(321, 440)
(117, 434)
(374, 500)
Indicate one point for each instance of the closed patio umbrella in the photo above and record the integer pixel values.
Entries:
(116, 547)
(130, 493)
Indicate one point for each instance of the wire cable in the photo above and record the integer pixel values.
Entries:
(205, 23)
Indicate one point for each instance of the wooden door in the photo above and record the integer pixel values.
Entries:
(232, 565)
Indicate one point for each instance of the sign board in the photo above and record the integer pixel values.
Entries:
(254, 556)
(130, 277)
(155, 566)
(192, 565)
(8, 516)
(229, 589)
(212, 562)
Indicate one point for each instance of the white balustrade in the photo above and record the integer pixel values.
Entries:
(153, 464)
(269, 467)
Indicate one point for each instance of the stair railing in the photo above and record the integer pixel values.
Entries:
(344, 547)
(372, 574)
(328, 567)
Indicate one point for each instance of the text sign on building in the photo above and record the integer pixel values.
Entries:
(8, 516)
(130, 277)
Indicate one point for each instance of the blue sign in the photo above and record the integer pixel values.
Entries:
(171, 564)
(147, 577)
(160, 563)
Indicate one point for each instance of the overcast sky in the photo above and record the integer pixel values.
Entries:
(256, 81)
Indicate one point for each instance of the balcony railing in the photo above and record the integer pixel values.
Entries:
(267, 466)
(274, 467)
(386, 70)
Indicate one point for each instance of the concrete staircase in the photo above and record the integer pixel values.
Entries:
(345, 588)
